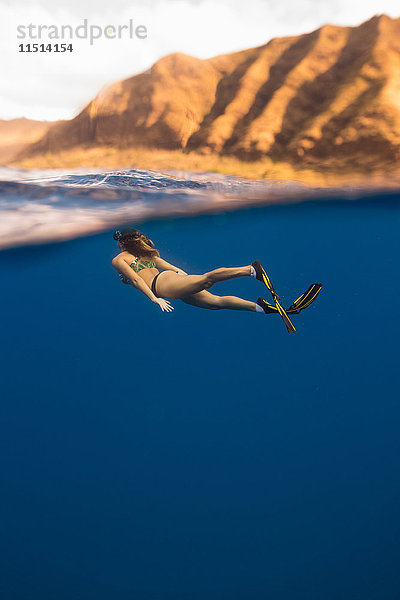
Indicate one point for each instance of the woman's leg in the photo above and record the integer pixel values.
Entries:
(172, 285)
(206, 300)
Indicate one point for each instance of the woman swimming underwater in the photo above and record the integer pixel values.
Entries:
(139, 264)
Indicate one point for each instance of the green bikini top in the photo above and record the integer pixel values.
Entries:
(137, 265)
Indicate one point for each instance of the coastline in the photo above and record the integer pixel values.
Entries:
(325, 175)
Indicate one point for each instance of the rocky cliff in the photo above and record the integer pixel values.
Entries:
(331, 96)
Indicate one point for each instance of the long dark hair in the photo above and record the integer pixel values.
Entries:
(136, 242)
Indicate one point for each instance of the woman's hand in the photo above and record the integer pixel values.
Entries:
(164, 304)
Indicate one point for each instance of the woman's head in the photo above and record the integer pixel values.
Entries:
(135, 242)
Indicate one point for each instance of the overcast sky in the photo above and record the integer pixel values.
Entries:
(57, 86)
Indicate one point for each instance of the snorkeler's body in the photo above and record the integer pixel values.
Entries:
(164, 280)
(139, 264)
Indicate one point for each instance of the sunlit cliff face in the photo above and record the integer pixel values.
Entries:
(323, 98)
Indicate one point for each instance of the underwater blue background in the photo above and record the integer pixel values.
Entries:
(205, 454)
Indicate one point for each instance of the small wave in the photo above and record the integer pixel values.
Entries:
(41, 206)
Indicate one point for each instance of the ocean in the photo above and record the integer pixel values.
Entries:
(198, 454)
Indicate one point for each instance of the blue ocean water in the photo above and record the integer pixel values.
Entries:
(205, 454)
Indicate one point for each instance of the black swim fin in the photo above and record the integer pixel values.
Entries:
(266, 306)
(304, 301)
(262, 276)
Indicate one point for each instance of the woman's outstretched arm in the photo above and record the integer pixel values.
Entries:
(120, 264)
(163, 265)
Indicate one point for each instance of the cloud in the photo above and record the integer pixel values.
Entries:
(51, 86)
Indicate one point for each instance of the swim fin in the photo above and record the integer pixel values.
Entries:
(305, 299)
(301, 303)
(262, 276)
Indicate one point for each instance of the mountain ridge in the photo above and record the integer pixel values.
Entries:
(16, 133)
(328, 97)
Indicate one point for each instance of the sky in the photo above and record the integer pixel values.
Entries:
(51, 86)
